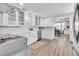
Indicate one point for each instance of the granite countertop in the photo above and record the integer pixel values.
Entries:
(7, 37)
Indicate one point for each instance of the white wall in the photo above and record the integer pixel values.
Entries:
(62, 17)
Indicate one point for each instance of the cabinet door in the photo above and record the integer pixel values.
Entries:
(32, 20)
(34, 34)
(21, 18)
(46, 22)
(1, 18)
(32, 37)
(11, 18)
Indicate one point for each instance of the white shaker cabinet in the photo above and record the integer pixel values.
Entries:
(21, 17)
(12, 18)
(46, 22)
(32, 19)
(32, 37)
(1, 18)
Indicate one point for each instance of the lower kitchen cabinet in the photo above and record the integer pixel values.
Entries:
(32, 37)
(48, 33)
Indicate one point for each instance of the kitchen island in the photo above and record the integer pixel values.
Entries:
(13, 45)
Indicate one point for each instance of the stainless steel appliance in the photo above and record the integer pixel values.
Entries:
(76, 23)
(75, 29)
(39, 34)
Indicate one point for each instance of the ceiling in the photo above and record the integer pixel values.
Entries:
(49, 9)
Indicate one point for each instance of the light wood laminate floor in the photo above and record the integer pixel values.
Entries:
(60, 46)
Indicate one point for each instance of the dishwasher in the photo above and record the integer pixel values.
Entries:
(39, 34)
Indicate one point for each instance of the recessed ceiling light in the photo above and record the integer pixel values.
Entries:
(21, 4)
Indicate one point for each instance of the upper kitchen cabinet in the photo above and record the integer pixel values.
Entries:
(1, 18)
(42, 22)
(32, 19)
(37, 20)
(11, 15)
(46, 22)
(21, 15)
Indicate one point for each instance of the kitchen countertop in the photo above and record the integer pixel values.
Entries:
(10, 41)
(8, 37)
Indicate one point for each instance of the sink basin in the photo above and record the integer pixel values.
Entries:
(1, 41)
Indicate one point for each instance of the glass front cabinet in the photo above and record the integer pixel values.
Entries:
(13, 17)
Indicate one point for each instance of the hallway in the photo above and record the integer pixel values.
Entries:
(60, 46)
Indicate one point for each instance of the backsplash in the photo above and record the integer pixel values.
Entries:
(14, 30)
